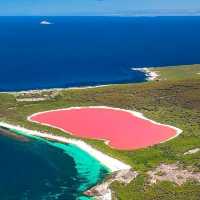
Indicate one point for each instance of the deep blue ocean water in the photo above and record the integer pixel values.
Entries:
(82, 51)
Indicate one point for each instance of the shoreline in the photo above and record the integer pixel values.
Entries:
(150, 76)
(118, 170)
(134, 113)
(150, 73)
(112, 164)
(10, 134)
(57, 89)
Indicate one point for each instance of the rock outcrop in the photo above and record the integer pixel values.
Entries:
(103, 192)
(173, 173)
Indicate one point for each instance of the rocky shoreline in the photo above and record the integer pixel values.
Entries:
(103, 192)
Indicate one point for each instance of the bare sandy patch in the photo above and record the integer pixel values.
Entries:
(192, 151)
(172, 173)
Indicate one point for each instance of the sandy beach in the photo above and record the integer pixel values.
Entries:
(112, 164)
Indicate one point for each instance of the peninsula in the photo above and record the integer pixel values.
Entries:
(162, 170)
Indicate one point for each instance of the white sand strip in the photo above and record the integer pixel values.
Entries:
(109, 162)
(151, 75)
(58, 89)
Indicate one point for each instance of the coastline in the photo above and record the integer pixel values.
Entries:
(57, 89)
(119, 171)
(111, 163)
(8, 133)
(148, 72)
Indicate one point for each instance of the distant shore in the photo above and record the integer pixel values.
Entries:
(56, 89)
(149, 73)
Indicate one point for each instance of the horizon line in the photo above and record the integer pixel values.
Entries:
(197, 15)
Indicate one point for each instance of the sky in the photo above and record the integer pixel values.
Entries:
(97, 7)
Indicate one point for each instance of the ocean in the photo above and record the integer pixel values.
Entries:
(46, 170)
(88, 51)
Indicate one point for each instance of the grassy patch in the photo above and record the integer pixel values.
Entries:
(139, 190)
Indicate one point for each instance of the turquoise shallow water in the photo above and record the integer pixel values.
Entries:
(81, 169)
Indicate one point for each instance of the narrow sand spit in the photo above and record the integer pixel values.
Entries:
(151, 75)
(112, 164)
(120, 129)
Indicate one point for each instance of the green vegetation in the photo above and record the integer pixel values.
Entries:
(138, 190)
(173, 73)
(174, 100)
